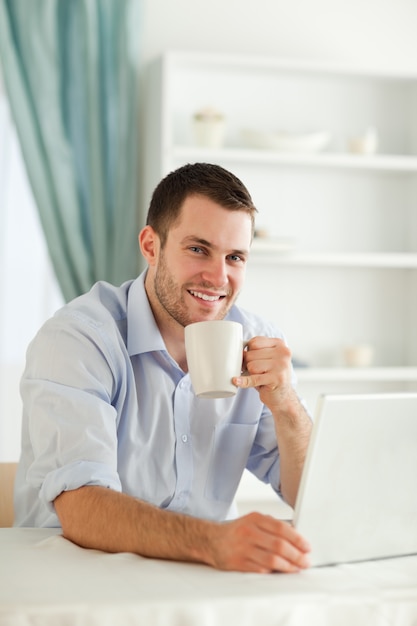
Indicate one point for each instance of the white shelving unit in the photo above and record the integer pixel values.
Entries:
(387, 163)
(339, 266)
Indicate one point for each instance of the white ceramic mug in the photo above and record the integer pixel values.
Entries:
(214, 356)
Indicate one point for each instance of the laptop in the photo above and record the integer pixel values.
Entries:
(358, 493)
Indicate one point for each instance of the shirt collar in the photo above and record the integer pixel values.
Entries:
(142, 331)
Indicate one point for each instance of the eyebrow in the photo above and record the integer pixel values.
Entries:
(207, 244)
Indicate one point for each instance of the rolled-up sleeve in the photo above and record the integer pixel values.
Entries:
(67, 391)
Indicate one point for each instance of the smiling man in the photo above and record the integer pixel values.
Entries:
(117, 449)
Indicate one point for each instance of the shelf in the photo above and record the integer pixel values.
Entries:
(349, 374)
(342, 227)
(377, 162)
(218, 62)
(262, 253)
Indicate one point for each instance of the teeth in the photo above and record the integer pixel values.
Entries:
(204, 296)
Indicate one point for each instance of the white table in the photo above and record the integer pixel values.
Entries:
(48, 581)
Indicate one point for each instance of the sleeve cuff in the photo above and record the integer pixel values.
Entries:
(74, 476)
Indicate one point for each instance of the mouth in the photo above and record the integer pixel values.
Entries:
(206, 297)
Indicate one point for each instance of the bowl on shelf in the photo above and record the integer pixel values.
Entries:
(283, 141)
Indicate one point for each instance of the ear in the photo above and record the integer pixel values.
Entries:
(149, 244)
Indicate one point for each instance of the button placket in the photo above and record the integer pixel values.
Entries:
(183, 452)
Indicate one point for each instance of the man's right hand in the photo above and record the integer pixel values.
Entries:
(259, 543)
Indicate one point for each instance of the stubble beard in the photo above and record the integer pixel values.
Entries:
(171, 297)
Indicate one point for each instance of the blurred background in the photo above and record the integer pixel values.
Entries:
(75, 178)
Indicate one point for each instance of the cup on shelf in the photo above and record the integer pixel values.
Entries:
(358, 355)
(208, 128)
(364, 144)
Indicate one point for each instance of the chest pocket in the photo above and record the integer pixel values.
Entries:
(232, 444)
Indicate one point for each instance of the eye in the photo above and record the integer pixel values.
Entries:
(236, 258)
(196, 249)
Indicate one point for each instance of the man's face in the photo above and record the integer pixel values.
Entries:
(201, 269)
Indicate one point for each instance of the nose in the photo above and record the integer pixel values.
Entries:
(215, 273)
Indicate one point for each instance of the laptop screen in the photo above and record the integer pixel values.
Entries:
(358, 493)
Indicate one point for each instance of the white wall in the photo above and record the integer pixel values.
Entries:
(371, 33)
(378, 33)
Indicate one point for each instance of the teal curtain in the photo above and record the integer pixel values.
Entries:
(71, 74)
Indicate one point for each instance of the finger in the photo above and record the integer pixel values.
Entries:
(243, 381)
(285, 530)
(285, 551)
(264, 563)
(281, 543)
(260, 366)
(289, 567)
(270, 357)
(267, 346)
(255, 380)
(259, 342)
(284, 558)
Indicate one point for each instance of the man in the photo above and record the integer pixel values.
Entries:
(116, 447)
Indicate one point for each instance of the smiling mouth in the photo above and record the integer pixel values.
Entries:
(205, 296)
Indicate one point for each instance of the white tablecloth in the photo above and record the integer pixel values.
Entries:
(46, 580)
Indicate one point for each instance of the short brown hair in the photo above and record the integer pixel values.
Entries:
(203, 179)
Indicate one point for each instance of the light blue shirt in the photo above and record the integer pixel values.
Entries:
(105, 404)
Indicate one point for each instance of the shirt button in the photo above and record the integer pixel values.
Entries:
(184, 438)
